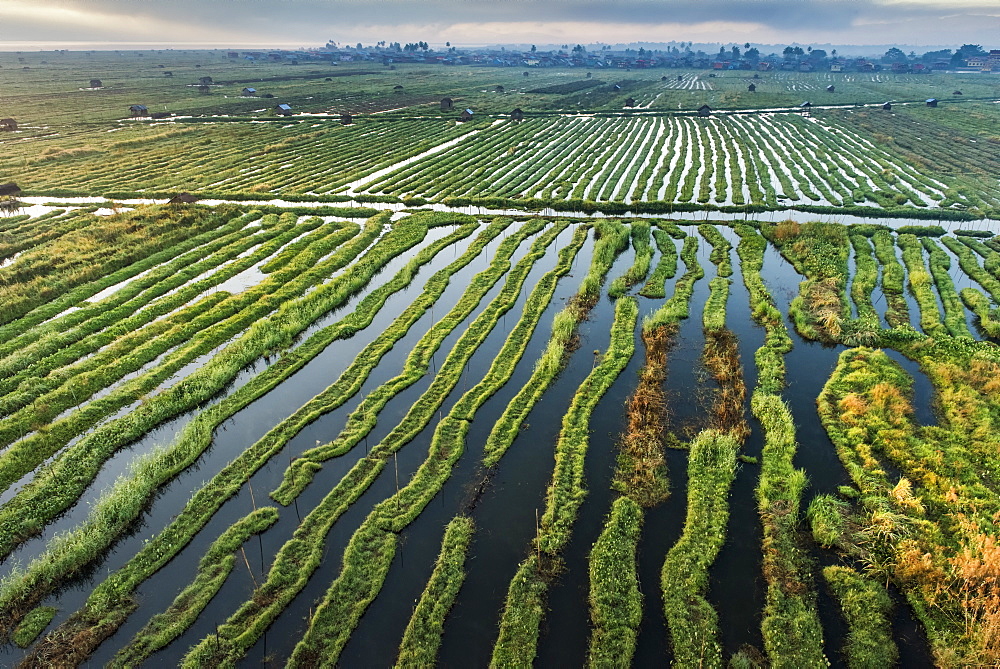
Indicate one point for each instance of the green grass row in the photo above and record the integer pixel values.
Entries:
(213, 570)
(615, 598)
(371, 548)
(692, 622)
(422, 636)
(793, 636)
(519, 624)
(69, 553)
(111, 602)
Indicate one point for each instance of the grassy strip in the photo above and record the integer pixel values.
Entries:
(954, 311)
(612, 241)
(720, 248)
(69, 553)
(897, 312)
(982, 306)
(819, 252)
(866, 608)
(793, 636)
(55, 487)
(865, 277)
(920, 281)
(665, 269)
(640, 266)
(362, 420)
(676, 308)
(691, 619)
(199, 328)
(517, 643)
(615, 599)
(213, 570)
(641, 471)
(967, 261)
(372, 547)
(31, 331)
(33, 625)
(422, 637)
(109, 604)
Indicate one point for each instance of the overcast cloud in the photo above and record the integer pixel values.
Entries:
(34, 23)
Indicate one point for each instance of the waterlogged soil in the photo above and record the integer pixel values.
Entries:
(505, 514)
(323, 430)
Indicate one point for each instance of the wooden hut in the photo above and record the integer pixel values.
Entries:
(466, 115)
(680, 77)
(283, 110)
(447, 104)
(752, 88)
(346, 119)
(931, 102)
(956, 92)
(830, 88)
(205, 81)
(168, 73)
(617, 87)
(630, 102)
(397, 87)
(8, 125)
(704, 110)
(517, 115)
(138, 111)
(96, 83)
(182, 198)
(498, 88)
(806, 105)
(887, 106)
(249, 92)
(9, 191)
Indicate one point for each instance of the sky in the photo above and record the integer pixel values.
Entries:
(28, 24)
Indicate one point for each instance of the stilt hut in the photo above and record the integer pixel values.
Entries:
(138, 111)
(8, 125)
(517, 115)
(447, 104)
(96, 83)
(346, 119)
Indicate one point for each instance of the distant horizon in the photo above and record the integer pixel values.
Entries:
(111, 24)
(765, 48)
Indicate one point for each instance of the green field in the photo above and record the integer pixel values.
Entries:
(392, 395)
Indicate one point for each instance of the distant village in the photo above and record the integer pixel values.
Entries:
(967, 59)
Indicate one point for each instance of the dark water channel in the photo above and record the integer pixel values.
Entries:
(505, 515)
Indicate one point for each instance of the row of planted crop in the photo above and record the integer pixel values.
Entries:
(367, 557)
(790, 626)
(112, 334)
(241, 157)
(110, 517)
(206, 325)
(110, 601)
(366, 469)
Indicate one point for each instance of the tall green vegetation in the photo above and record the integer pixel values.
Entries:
(793, 636)
(422, 637)
(691, 620)
(524, 608)
(615, 599)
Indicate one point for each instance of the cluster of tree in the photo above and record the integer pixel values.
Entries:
(955, 58)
